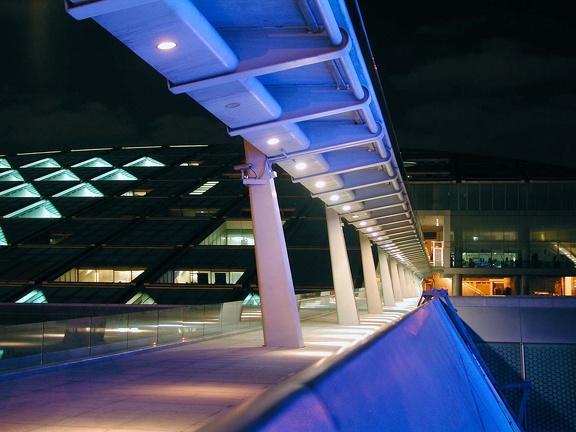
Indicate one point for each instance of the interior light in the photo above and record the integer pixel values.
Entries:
(346, 208)
(363, 223)
(354, 216)
(320, 184)
(273, 141)
(379, 238)
(301, 165)
(369, 229)
(168, 45)
(334, 198)
(374, 234)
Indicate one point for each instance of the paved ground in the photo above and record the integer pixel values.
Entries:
(172, 389)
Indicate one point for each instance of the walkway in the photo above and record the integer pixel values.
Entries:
(172, 389)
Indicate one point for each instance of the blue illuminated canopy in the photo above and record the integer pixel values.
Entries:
(290, 78)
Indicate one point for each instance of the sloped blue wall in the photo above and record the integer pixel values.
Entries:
(415, 376)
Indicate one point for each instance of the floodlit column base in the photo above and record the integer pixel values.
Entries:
(386, 278)
(231, 312)
(280, 319)
(373, 300)
(342, 279)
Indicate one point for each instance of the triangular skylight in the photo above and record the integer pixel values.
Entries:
(42, 210)
(34, 296)
(3, 241)
(93, 163)
(11, 175)
(144, 162)
(4, 163)
(81, 190)
(43, 163)
(141, 298)
(25, 190)
(62, 175)
(116, 174)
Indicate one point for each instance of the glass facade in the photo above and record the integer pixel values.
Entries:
(515, 229)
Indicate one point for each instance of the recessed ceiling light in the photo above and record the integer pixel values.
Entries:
(334, 197)
(346, 208)
(273, 141)
(363, 223)
(301, 165)
(369, 229)
(168, 45)
(320, 184)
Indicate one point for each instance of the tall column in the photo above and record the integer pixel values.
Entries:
(386, 278)
(410, 282)
(457, 285)
(525, 284)
(396, 287)
(342, 278)
(568, 284)
(373, 300)
(517, 285)
(403, 282)
(280, 319)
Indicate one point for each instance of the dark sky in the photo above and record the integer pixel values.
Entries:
(480, 76)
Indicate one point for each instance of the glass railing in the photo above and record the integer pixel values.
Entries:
(38, 344)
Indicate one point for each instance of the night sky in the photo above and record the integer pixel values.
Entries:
(484, 77)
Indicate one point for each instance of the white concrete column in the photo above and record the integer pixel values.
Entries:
(403, 282)
(343, 286)
(386, 278)
(417, 285)
(410, 282)
(396, 287)
(280, 319)
(373, 300)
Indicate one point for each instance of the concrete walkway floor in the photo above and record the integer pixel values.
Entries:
(177, 389)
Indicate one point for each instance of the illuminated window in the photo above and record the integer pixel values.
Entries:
(199, 213)
(218, 277)
(116, 174)
(3, 241)
(231, 233)
(62, 175)
(137, 192)
(192, 163)
(141, 298)
(93, 163)
(144, 162)
(25, 190)
(11, 175)
(81, 190)
(43, 209)
(205, 187)
(34, 296)
(43, 163)
(103, 275)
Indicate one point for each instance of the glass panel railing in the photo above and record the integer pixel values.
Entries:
(26, 346)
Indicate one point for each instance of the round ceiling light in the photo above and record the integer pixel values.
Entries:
(168, 45)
